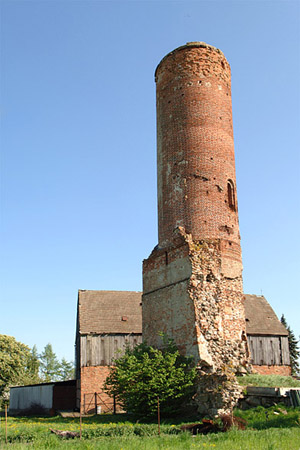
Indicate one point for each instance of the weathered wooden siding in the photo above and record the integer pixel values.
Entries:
(269, 350)
(285, 350)
(101, 350)
(77, 357)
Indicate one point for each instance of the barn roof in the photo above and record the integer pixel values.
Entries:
(113, 312)
(104, 312)
(260, 317)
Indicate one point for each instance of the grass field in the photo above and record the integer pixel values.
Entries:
(268, 381)
(276, 428)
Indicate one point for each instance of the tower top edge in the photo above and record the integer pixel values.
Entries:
(193, 44)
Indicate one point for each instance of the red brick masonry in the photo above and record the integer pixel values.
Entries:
(92, 381)
(272, 370)
(195, 145)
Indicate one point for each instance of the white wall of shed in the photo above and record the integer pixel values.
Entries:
(24, 396)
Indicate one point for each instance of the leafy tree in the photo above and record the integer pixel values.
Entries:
(66, 370)
(49, 365)
(145, 374)
(293, 347)
(17, 363)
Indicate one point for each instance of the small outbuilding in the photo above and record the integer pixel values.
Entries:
(47, 398)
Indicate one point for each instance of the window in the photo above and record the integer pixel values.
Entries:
(231, 195)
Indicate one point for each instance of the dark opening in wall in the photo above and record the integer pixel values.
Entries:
(210, 278)
(231, 195)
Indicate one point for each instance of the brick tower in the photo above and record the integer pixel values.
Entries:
(192, 281)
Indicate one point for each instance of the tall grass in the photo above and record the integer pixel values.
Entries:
(276, 428)
(268, 381)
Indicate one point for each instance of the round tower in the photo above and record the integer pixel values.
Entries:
(192, 281)
(195, 148)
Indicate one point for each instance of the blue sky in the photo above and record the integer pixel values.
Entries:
(78, 149)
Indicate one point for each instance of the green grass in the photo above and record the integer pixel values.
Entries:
(268, 381)
(279, 416)
(276, 428)
(278, 439)
(272, 439)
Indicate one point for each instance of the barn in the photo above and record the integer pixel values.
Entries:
(107, 321)
(267, 338)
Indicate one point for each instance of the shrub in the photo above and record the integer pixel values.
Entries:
(145, 374)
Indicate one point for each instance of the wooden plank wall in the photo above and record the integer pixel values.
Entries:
(101, 350)
(269, 350)
(285, 350)
(77, 357)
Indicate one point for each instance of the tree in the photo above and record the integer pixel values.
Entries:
(66, 370)
(145, 374)
(17, 363)
(293, 347)
(49, 365)
(34, 362)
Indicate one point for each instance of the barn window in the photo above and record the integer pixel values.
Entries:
(167, 259)
(252, 351)
(272, 353)
(261, 352)
(102, 352)
(231, 195)
(88, 352)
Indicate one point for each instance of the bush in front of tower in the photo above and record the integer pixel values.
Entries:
(145, 377)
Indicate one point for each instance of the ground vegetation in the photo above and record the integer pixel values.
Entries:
(255, 379)
(275, 428)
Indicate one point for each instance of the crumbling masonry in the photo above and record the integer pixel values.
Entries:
(192, 281)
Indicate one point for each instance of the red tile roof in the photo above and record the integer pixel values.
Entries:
(114, 312)
(104, 312)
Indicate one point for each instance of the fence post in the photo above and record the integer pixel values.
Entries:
(95, 402)
(158, 416)
(5, 424)
(80, 422)
(115, 408)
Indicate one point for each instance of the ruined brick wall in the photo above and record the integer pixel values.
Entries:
(92, 380)
(192, 281)
(272, 370)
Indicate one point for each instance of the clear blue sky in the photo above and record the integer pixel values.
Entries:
(78, 149)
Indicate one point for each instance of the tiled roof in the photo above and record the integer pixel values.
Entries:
(103, 312)
(260, 317)
(114, 312)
